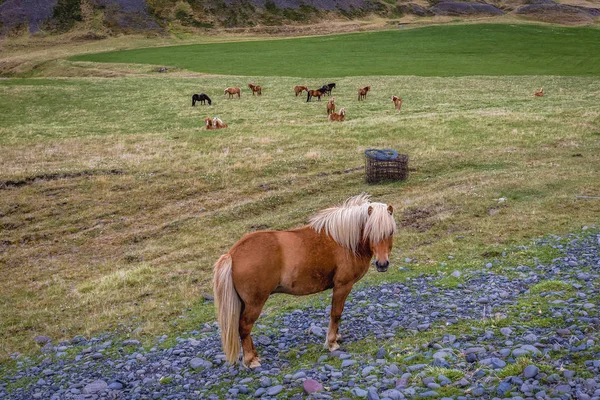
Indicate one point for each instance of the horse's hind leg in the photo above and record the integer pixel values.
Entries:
(340, 293)
(250, 314)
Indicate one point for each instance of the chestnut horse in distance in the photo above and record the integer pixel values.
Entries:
(338, 117)
(316, 93)
(333, 251)
(233, 91)
(362, 93)
(331, 105)
(397, 102)
(539, 93)
(255, 89)
(299, 89)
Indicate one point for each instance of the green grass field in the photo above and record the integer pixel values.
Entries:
(115, 201)
(453, 50)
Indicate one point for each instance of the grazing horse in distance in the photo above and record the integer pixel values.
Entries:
(397, 102)
(255, 89)
(202, 98)
(331, 86)
(315, 93)
(233, 91)
(539, 93)
(333, 251)
(338, 117)
(362, 93)
(331, 105)
(299, 89)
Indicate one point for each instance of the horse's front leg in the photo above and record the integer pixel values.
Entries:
(340, 293)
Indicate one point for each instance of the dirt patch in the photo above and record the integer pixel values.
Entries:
(7, 184)
(417, 218)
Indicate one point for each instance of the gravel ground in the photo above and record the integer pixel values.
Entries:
(512, 343)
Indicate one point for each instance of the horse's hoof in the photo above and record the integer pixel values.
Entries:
(254, 364)
(334, 347)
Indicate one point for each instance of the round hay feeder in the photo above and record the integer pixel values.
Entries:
(385, 165)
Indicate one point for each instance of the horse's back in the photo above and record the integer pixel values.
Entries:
(298, 262)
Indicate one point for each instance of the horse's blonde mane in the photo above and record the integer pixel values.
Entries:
(345, 222)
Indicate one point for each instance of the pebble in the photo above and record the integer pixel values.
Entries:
(530, 371)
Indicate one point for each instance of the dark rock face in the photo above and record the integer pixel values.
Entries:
(553, 12)
(460, 8)
(415, 9)
(329, 5)
(31, 12)
(125, 14)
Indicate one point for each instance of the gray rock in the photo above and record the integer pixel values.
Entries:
(347, 363)
(358, 392)
(97, 386)
(530, 371)
(274, 390)
(372, 394)
(506, 331)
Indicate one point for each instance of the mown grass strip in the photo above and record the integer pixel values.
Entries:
(450, 50)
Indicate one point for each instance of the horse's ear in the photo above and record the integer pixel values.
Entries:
(370, 210)
(391, 210)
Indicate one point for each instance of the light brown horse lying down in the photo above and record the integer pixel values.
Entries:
(338, 117)
(233, 91)
(331, 105)
(362, 93)
(299, 89)
(333, 251)
(539, 93)
(397, 102)
(214, 123)
(255, 89)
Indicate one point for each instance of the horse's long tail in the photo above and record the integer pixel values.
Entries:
(228, 306)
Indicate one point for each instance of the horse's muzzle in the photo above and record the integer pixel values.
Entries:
(382, 267)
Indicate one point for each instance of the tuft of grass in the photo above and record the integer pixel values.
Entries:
(515, 368)
(550, 286)
(451, 373)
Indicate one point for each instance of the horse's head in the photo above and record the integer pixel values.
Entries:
(379, 230)
(226, 90)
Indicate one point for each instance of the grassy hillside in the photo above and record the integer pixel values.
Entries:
(452, 50)
(115, 202)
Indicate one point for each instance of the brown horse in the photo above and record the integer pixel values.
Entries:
(338, 117)
(218, 124)
(333, 251)
(299, 89)
(214, 123)
(255, 89)
(397, 102)
(209, 123)
(539, 93)
(362, 93)
(233, 91)
(331, 105)
(315, 93)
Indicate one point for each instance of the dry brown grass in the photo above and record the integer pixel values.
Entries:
(115, 202)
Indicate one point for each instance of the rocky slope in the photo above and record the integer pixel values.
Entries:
(118, 16)
(500, 331)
